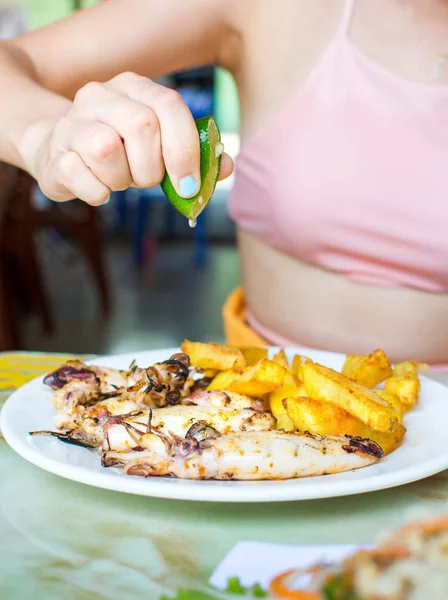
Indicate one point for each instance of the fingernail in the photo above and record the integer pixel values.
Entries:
(188, 186)
(107, 201)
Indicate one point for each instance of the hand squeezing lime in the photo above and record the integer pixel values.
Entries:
(211, 149)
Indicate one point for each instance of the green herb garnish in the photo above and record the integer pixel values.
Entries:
(188, 595)
(233, 588)
(336, 590)
(258, 591)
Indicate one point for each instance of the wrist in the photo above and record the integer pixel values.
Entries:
(36, 132)
(33, 139)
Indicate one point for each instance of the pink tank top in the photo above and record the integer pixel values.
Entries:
(352, 175)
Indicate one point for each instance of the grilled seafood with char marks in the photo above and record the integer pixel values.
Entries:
(253, 455)
(123, 431)
(78, 386)
(182, 417)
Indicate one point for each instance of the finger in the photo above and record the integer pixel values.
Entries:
(102, 150)
(53, 189)
(179, 135)
(74, 175)
(136, 124)
(227, 167)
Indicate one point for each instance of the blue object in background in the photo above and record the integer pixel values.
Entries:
(198, 100)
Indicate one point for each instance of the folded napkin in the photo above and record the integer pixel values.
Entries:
(259, 562)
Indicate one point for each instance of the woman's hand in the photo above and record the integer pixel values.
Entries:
(118, 134)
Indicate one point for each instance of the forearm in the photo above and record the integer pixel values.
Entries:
(28, 110)
(42, 69)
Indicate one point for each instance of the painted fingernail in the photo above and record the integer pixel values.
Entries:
(188, 186)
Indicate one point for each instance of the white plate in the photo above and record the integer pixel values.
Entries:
(423, 453)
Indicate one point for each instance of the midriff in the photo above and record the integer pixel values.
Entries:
(325, 310)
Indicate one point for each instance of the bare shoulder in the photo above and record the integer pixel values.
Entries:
(150, 37)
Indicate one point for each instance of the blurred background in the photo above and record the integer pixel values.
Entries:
(127, 276)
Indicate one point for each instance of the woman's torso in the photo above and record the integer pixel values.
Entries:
(345, 214)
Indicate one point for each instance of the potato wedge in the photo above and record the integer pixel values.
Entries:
(210, 373)
(388, 441)
(369, 370)
(259, 379)
(255, 381)
(330, 386)
(323, 418)
(291, 386)
(280, 359)
(212, 356)
(297, 362)
(405, 383)
(252, 354)
(408, 368)
(394, 401)
(279, 412)
(222, 380)
(406, 388)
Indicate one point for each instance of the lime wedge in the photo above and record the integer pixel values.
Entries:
(211, 149)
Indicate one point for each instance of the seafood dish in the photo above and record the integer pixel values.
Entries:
(232, 413)
(411, 564)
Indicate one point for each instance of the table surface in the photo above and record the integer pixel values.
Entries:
(60, 539)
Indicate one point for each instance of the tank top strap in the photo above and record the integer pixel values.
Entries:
(346, 19)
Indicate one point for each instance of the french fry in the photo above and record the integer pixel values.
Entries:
(408, 368)
(222, 380)
(252, 354)
(394, 401)
(280, 359)
(405, 383)
(406, 388)
(297, 362)
(283, 420)
(388, 441)
(210, 373)
(291, 386)
(319, 417)
(369, 370)
(323, 418)
(330, 386)
(212, 356)
(254, 381)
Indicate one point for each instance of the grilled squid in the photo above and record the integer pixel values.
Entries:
(78, 386)
(105, 379)
(220, 398)
(253, 455)
(123, 431)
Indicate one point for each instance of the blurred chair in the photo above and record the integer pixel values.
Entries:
(80, 224)
(22, 287)
(8, 334)
(20, 281)
(20, 252)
